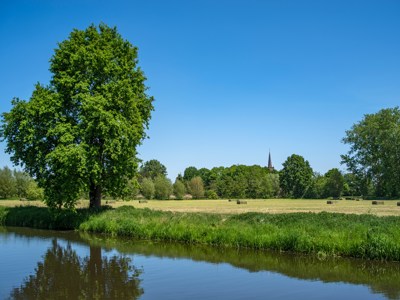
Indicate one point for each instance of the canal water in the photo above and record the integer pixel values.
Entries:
(42, 264)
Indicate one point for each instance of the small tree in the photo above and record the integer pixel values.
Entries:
(22, 181)
(33, 191)
(163, 187)
(334, 183)
(179, 189)
(7, 183)
(196, 187)
(147, 188)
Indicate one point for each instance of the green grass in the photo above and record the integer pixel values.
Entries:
(322, 234)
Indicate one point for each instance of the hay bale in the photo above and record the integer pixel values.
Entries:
(329, 202)
(241, 202)
(376, 202)
(142, 201)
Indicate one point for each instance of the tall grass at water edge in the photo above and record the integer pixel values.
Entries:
(322, 234)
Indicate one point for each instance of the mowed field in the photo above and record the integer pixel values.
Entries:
(273, 206)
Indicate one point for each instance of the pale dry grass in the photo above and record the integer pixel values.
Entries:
(264, 206)
(268, 206)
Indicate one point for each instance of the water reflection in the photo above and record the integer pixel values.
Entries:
(67, 275)
(64, 275)
(381, 277)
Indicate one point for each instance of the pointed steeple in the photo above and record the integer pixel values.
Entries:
(270, 167)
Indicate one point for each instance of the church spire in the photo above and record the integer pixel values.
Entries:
(270, 167)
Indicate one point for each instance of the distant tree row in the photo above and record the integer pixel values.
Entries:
(296, 180)
(237, 181)
(18, 184)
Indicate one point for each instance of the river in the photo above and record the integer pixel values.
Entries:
(43, 264)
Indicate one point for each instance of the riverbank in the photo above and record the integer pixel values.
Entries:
(322, 234)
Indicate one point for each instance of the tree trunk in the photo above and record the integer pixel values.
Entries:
(95, 196)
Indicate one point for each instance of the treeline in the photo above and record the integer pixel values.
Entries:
(295, 180)
(237, 181)
(19, 184)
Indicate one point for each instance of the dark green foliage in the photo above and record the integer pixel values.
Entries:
(317, 187)
(162, 187)
(152, 169)
(374, 153)
(351, 185)
(80, 132)
(45, 218)
(189, 173)
(295, 177)
(334, 183)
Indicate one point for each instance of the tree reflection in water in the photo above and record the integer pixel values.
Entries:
(64, 275)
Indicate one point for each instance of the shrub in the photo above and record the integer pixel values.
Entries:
(211, 194)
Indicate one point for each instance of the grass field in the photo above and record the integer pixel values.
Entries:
(273, 206)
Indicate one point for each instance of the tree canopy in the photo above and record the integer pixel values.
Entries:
(374, 153)
(296, 176)
(152, 169)
(80, 132)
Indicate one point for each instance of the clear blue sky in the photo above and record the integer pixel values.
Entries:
(231, 79)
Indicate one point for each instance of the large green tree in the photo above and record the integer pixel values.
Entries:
(80, 132)
(374, 153)
(296, 176)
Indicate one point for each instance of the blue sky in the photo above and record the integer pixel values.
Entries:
(231, 79)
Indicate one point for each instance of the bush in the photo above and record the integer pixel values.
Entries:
(33, 192)
(211, 194)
